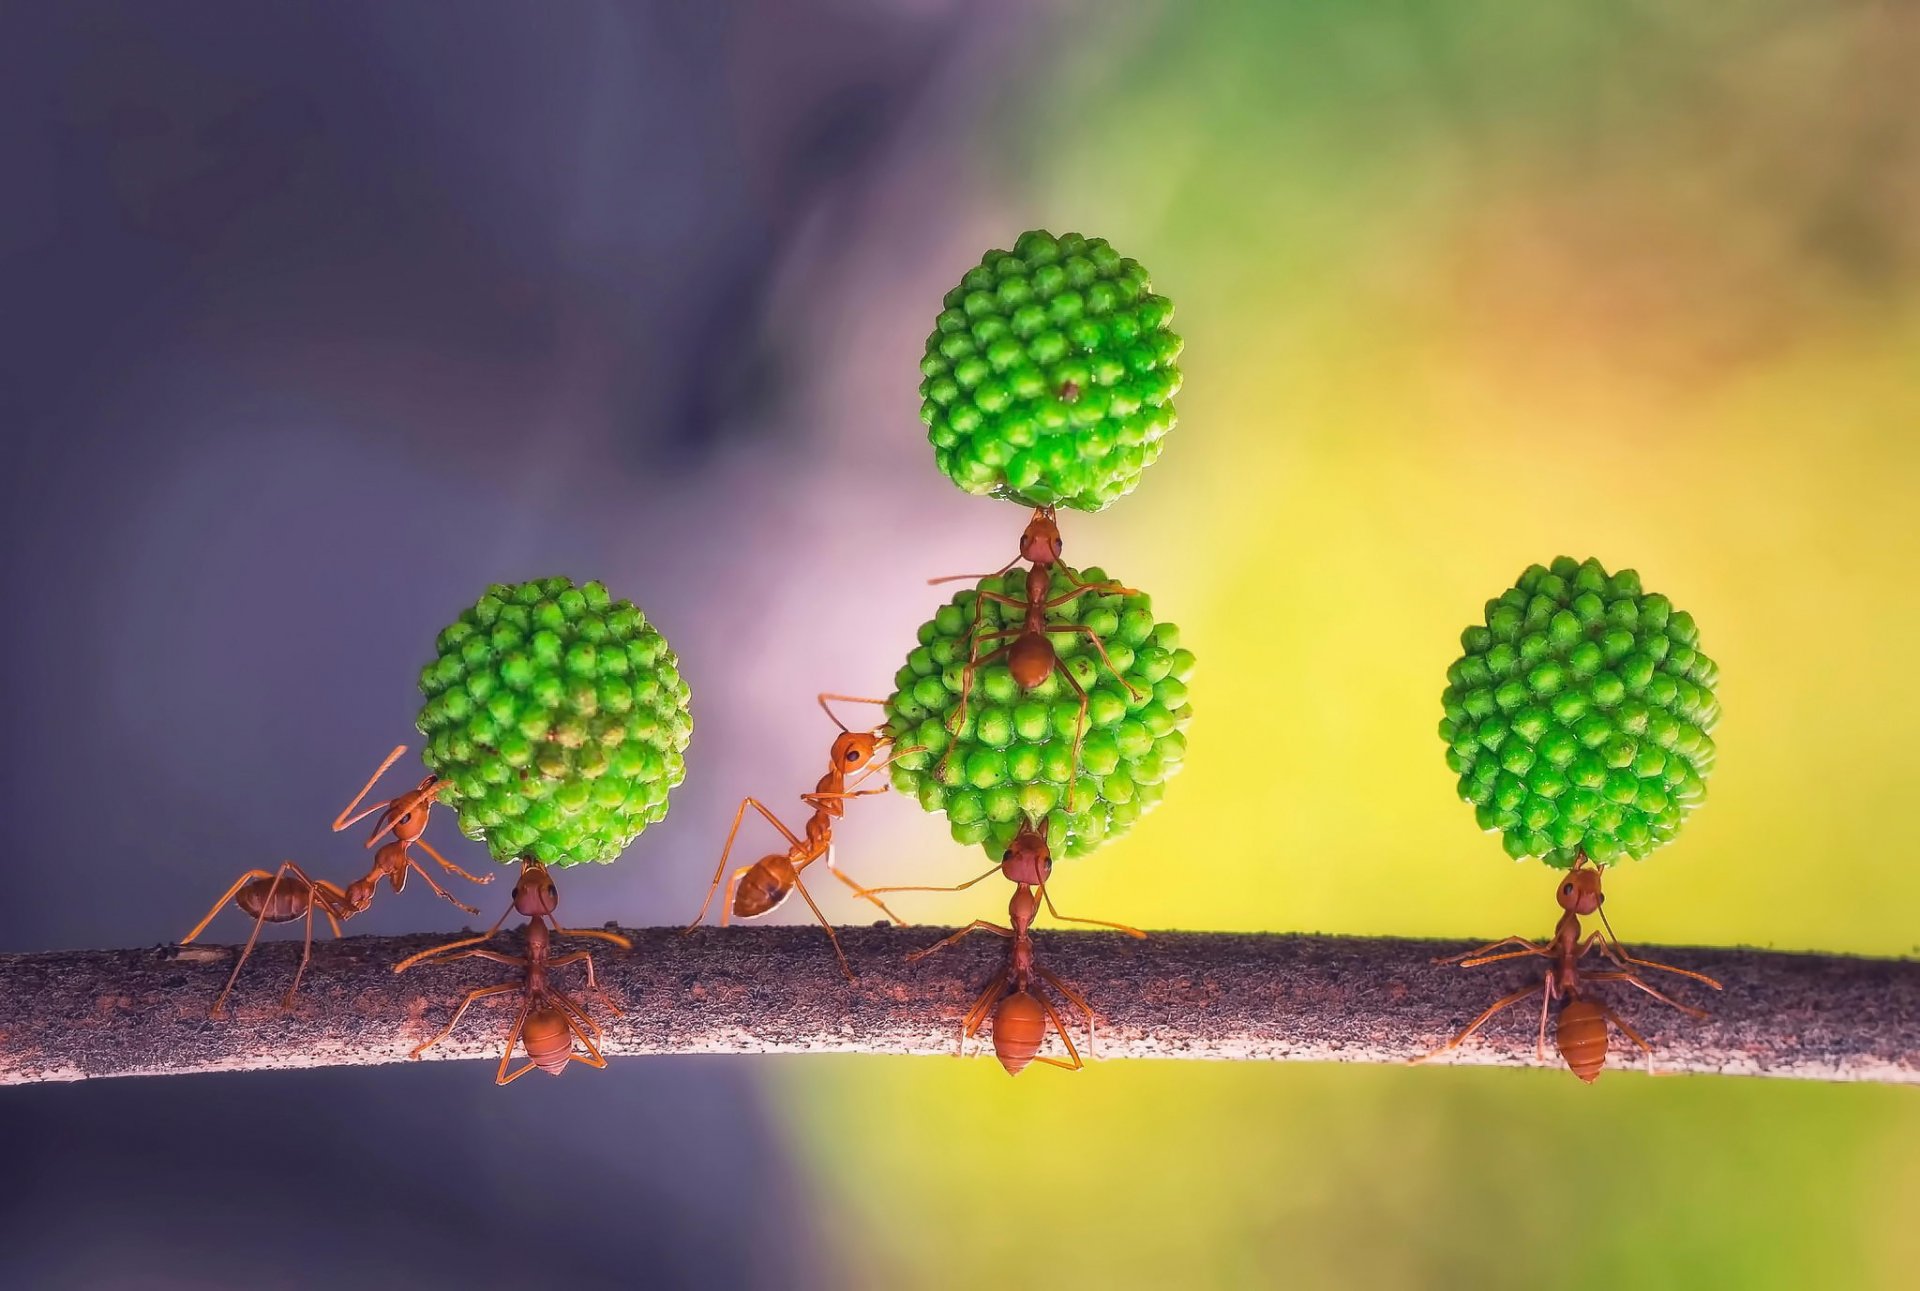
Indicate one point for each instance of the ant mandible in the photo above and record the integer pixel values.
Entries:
(289, 893)
(1020, 1014)
(1580, 1029)
(1030, 654)
(549, 1020)
(758, 888)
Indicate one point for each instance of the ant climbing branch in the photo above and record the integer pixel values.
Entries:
(80, 1014)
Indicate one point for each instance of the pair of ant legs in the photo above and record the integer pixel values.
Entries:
(983, 1007)
(1596, 940)
(1549, 991)
(328, 897)
(1045, 896)
(579, 1025)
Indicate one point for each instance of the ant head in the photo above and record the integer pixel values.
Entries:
(534, 894)
(1027, 859)
(853, 750)
(1040, 543)
(1579, 891)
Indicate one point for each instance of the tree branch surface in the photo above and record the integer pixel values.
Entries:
(76, 1015)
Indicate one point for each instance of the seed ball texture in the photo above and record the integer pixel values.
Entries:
(1050, 375)
(1011, 757)
(558, 720)
(1580, 718)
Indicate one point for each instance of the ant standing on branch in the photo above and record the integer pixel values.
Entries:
(756, 889)
(289, 893)
(1580, 1030)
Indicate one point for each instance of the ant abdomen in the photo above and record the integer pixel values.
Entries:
(1580, 1033)
(1019, 1029)
(763, 887)
(548, 1040)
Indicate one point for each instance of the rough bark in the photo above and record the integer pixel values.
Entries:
(81, 1014)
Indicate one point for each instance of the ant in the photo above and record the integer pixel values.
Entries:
(1030, 654)
(1020, 1015)
(758, 888)
(1580, 1029)
(289, 893)
(549, 1020)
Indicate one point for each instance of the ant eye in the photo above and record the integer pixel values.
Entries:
(1566, 890)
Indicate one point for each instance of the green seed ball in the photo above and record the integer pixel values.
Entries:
(557, 719)
(1012, 755)
(1050, 374)
(1577, 718)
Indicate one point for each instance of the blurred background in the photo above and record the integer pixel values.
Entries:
(320, 318)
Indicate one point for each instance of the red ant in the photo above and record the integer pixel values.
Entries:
(1030, 655)
(289, 893)
(549, 1020)
(1020, 1015)
(758, 888)
(1580, 1030)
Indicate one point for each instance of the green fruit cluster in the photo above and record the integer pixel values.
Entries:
(1580, 717)
(1012, 755)
(1050, 374)
(558, 720)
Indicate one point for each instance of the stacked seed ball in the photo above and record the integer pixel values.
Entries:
(1012, 755)
(558, 720)
(1050, 374)
(1580, 717)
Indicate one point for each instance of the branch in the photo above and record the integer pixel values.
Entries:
(80, 1014)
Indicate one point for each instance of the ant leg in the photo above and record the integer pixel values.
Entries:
(865, 894)
(1072, 1062)
(488, 935)
(1101, 649)
(1098, 923)
(839, 954)
(916, 887)
(972, 578)
(1081, 587)
(306, 953)
(221, 904)
(341, 821)
(599, 934)
(978, 925)
(1478, 960)
(1634, 979)
(1079, 729)
(1618, 952)
(582, 957)
(1546, 999)
(825, 695)
(958, 718)
(593, 1057)
(1515, 940)
(502, 1076)
(1630, 1034)
(448, 865)
(727, 851)
(1505, 1002)
(1078, 1000)
(439, 891)
(976, 1017)
(220, 1003)
(478, 992)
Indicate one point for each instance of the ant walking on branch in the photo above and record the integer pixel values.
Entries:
(1580, 1029)
(549, 1020)
(1020, 1013)
(761, 887)
(1030, 652)
(290, 893)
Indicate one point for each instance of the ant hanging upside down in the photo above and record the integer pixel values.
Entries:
(763, 886)
(1020, 1013)
(1030, 654)
(549, 1019)
(1580, 1028)
(289, 893)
